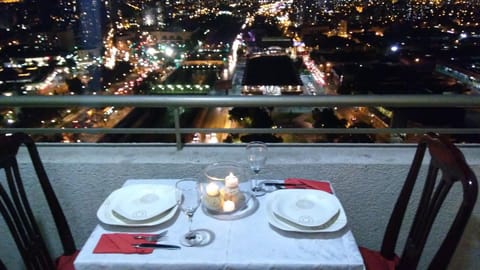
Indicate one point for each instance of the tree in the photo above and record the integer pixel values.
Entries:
(75, 85)
(357, 138)
(254, 118)
(326, 118)
(238, 114)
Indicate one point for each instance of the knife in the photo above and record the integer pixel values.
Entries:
(154, 245)
(283, 185)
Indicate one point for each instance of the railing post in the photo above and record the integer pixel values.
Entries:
(178, 135)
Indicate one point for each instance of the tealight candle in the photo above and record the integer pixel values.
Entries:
(228, 206)
(212, 189)
(231, 181)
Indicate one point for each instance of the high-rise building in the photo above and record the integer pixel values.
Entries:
(29, 14)
(91, 20)
(66, 12)
(168, 10)
(307, 11)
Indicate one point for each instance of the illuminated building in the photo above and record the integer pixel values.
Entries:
(25, 15)
(153, 15)
(307, 11)
(90, 30)
(271, 75)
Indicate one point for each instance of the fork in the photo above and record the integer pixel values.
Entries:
(152, 237)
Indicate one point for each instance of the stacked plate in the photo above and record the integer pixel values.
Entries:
(139, 205)
(305, 210)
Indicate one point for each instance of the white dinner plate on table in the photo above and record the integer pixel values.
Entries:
(144, 202)
(335, 223)
(115, 210)
(308, 208)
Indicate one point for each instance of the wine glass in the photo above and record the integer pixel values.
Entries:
(256, 156)
(188, 199)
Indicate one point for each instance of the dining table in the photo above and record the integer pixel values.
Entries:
(247, 242)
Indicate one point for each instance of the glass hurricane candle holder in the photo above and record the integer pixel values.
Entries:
(225, 188)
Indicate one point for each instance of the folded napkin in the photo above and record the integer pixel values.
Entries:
(313, 184)
(65, 262)
(121, 243)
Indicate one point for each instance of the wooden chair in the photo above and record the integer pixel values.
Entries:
(447, 167)
(17, 212)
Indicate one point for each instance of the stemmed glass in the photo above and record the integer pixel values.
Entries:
(256, 157)
(188, 199)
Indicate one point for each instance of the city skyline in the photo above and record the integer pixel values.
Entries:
(136, 47)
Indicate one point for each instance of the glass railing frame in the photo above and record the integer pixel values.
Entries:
(179, 102)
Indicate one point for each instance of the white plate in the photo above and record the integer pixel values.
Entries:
(336, 223)
(144, 202)
(107, 216)
(307, 207)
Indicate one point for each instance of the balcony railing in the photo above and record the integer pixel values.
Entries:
(178, 102)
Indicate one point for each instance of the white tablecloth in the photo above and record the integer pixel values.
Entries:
(246, 243)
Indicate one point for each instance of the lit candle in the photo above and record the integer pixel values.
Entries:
(212, 189)
(231, 181)
(228, 206)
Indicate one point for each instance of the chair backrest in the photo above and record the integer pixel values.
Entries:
(2, 266)
(16, 209)
(447, 167)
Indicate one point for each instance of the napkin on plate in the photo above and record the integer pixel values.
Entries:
(121, 243)
(313, 184)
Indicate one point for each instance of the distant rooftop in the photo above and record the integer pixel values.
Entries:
(270, 70)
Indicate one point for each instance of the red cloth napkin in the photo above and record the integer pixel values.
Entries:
(65, 262)
(374, 260)
(121, 243)
(313, 184)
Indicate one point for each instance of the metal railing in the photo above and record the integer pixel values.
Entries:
(177, 102)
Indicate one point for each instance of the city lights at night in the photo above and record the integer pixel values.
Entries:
(305, 47)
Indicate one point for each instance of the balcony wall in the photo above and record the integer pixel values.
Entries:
(366, 178)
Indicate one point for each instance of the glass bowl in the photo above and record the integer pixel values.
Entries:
(225, 188)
